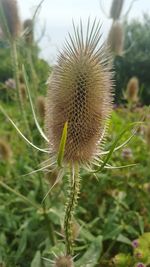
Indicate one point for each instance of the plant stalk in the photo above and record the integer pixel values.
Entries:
(74, 189)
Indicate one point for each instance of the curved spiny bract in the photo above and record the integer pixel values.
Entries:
(80, 92)
(11, 17)
(116, 9)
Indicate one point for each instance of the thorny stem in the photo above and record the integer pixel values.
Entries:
(73, 193)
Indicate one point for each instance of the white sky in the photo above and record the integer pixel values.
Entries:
(56, 17)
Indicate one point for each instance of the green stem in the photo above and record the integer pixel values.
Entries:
(70, 208)
(16, 72)
(48, 223)
(32, 69)
(16, 75)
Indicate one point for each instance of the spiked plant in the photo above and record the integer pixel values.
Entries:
(40, 104)
(116, 38)
(9, 20)
(132, 90)
(79, 103)
(80, 95)
(5, 151)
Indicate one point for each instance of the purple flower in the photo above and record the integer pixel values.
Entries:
(140, 264)
(135, 243)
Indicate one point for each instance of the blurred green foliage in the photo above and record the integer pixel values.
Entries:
(136, 58)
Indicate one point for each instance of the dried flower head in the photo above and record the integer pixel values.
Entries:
(116, 38)
(23, 91)
(21, 77)
(11, 17)
(28, 31)
(80, 93)
(40, 104)
(5, 151)
(64, 261)
(148, 135)
(116, 9)
(132, 90)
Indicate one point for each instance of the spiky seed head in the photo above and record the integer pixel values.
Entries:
(116, 9)
(28, 31)
(132, 89)
(148, 135)
(11, 14)
(5, 150)
(116, 38)
(21, 77)
(40, 104)
(64, 261)
(23, 91)
(80, 93)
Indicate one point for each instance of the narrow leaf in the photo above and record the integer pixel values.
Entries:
(62, 145)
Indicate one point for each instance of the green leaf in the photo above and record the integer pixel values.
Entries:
(36, 262)
(22, 244)
(62, 145)
(92, 255)
(123, 239)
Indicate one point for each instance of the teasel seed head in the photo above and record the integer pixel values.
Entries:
(132, 90)
(23, 91)
(40, 104)
(64, 261)
(21, 77)
(116, 9)
(80, 93)
(11, 17)
(116, 39)
(28, 31)
(5, 150)
(148, 135)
